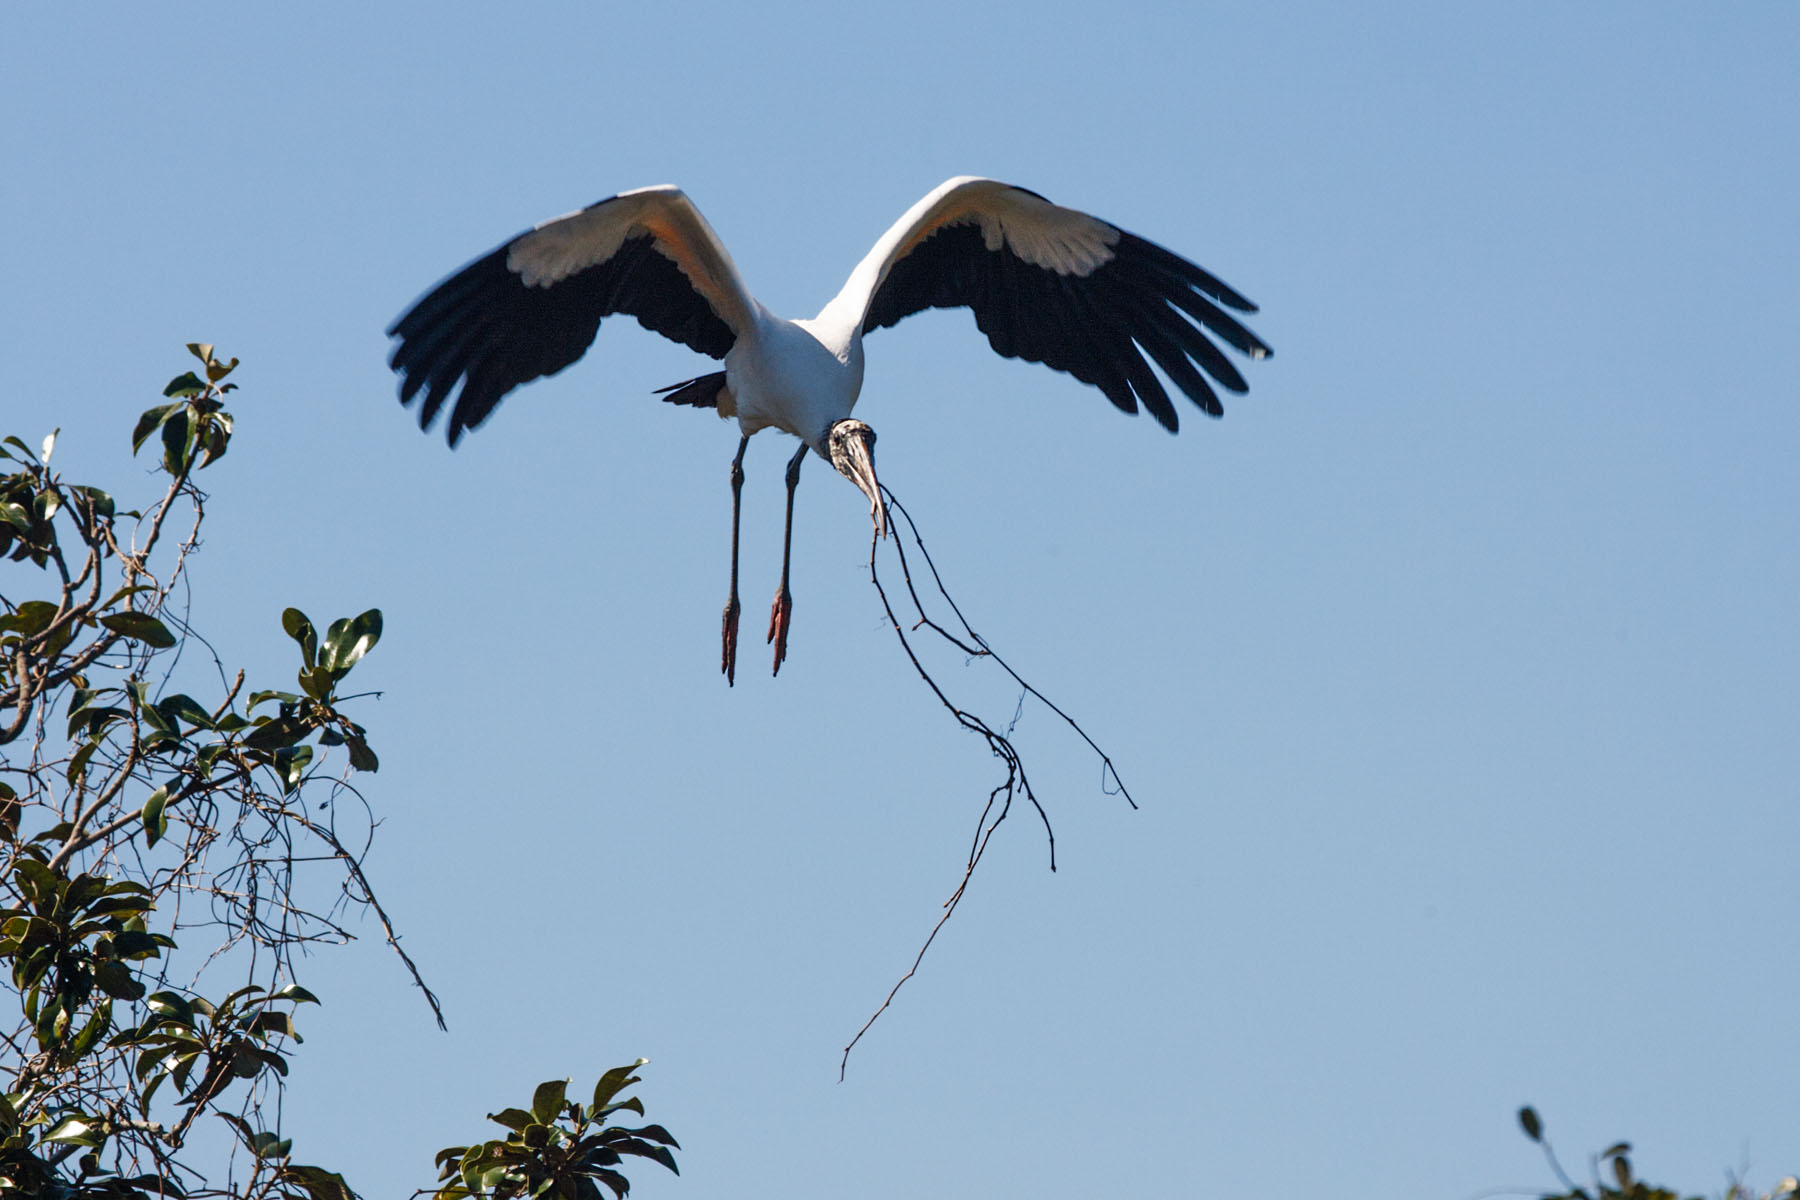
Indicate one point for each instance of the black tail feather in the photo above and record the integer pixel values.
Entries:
(702, 392)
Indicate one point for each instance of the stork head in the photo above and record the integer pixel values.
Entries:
(850, 444)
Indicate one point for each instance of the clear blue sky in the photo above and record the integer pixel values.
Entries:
(1456, 669)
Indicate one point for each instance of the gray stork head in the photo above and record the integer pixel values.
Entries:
(851, 446)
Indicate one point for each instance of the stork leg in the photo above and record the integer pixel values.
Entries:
(728, 653)
(782, 611)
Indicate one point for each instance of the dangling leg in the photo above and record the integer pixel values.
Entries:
(783, 608)
(728, 655)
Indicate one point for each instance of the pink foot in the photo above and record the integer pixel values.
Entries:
(780, 613)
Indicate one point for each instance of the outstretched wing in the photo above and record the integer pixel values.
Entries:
(1052, 285)
(532, 306)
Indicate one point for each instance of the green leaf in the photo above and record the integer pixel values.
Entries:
(317, 682)
(317, 1182)
(184, 386)
(269, 1145)
(515, 1119)
(361, 757)
(294, 622)
(201, 350)
(79, 761)
(82, 1130)
(31, 617)
(97, 1026)
(96, 501)
(547, 1100)
(646, 1150)
(654, 1133)
(629, 1104)
(349, 639)
(612, 1179)
(171, 1006)
(276, 733)
(181, 707)
(177, 433)
(36, 880)
(155, 822)
(291, 765)
(275, 1023)
(150, 422)
(613, 1082)
(140, 627)
(296, 993)
(115, 979)
(1528, 1121)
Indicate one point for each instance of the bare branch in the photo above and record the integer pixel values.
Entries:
(1016, 782)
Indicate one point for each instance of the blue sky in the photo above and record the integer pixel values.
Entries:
(1455, 669)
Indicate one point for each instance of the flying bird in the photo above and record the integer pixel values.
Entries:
(1046, 284)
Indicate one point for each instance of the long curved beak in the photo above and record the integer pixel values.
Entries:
(859, 468)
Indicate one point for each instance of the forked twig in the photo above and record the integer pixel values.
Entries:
(1016, 783)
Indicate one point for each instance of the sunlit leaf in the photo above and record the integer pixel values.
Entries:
(615, 1081)
(349, 639)
(295, 623)
(296, 993)
(291, 765)
(156, 823)
(171, 1005)
(150, 422)
(269, 1145)
(81, 1130)
(547, 1100)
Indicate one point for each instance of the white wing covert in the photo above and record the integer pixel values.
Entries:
(1052, 285)
(533, 305)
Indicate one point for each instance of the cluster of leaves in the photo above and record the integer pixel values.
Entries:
(124, 798)
(559, 1148)
(1624, 1184)
(111, 817)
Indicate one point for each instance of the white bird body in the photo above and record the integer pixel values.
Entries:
(800, 377)
(1045, 283)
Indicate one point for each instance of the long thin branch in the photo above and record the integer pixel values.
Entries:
(329, 837)
(1016, 783)
(1106, 761)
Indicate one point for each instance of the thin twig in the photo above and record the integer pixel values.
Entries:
(1016, 783)
(1106, 761)
(354, 867)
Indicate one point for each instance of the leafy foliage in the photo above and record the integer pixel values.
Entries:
(140, 803)
(1624, 1183)
(122, 798)
(557, 1147)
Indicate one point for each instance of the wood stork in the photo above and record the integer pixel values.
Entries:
(1046, 284)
